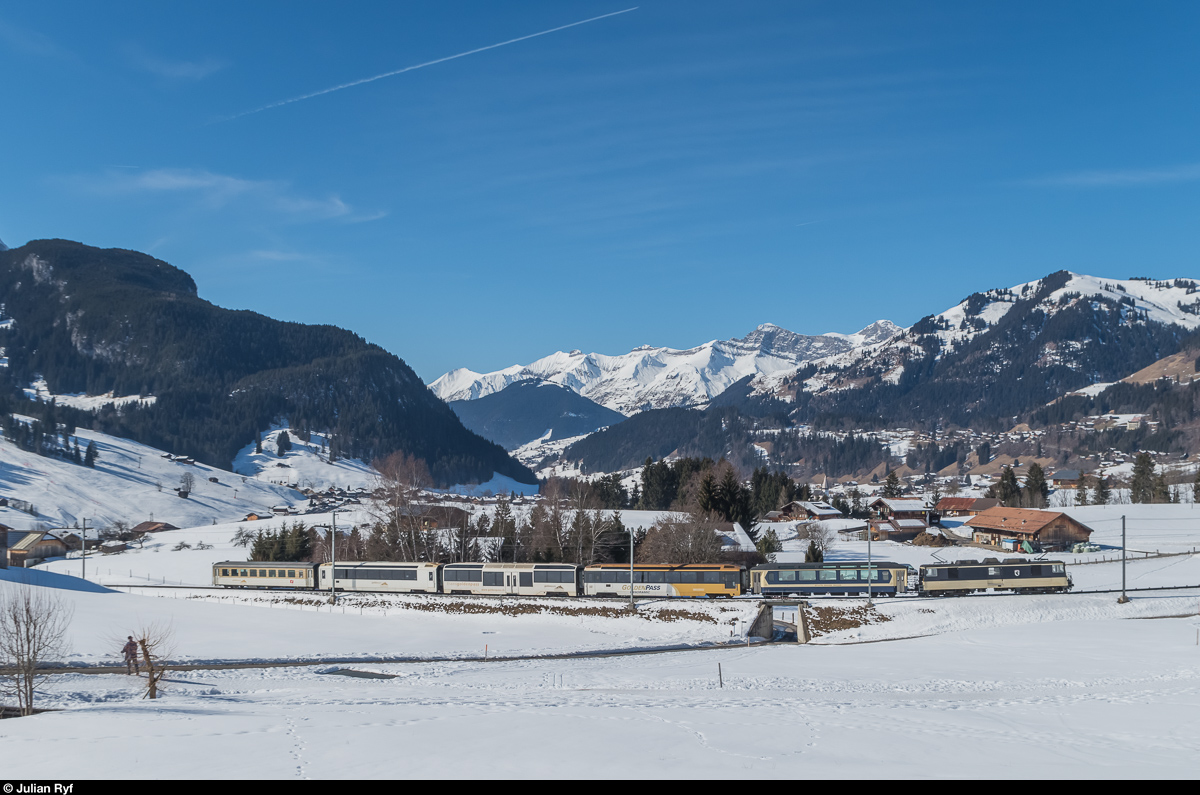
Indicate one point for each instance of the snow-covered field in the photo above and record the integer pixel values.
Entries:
(1047, 686)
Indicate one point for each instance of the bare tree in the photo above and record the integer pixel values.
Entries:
(818, 533)
(33, 630)
(681, 538)
(156, 642)
(399, 518)
(187, 482)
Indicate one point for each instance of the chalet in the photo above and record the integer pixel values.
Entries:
(810, 510)
(254, 516)
(895, 508)
(109, 547)
(34, 547)
(1065, 477)
(964, 506)
(897, 519)
(1046, 530)
(152, 527)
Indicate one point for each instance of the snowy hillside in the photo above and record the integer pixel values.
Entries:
(649, 377)
(304, 465)
(131, 482)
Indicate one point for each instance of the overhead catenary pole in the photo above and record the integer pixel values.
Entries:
(1124, 598)
(869, 570)
(333, 560)
(631, 607)
(83, 546)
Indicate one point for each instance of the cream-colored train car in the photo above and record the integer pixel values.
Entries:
(263, 574)
(518, 579)
(380, 577)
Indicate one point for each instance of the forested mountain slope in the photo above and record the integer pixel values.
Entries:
(528, 410)
(94, 321)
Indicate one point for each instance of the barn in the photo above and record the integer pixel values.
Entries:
(1046, 530)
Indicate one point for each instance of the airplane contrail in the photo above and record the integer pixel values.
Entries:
(422, 65)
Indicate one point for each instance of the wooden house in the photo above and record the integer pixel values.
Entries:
(810, 511)
(1046, 530)
(899, 519)
(35, 547)
(964, 506)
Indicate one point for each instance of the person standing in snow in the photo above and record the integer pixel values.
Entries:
(130, 650)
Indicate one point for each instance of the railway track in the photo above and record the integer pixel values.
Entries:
(610, 600)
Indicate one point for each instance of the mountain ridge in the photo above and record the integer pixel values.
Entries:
(660, 377)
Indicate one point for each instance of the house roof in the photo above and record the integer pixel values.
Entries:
(907, 524)
(31, 540)
(152, 527)
(894, 504)
(1016, 520)
(966, 503)
(819, 508)
(1066, 474)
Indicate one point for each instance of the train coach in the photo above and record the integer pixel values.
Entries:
(990, 574)
(261, 574)
(663, 580)
(380, 577)
(517, 579)
(835, 577)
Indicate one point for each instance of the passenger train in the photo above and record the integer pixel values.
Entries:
(849, 578)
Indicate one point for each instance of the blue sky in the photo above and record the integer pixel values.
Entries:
(674, 174)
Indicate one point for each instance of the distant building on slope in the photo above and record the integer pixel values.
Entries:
(809, 510)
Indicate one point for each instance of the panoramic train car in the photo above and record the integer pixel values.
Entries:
(830, 577)
(263, 574)
(519, 579)
(1014, 574)
(380, 577)
(649, 579)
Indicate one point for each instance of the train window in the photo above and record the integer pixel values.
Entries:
(808, 574)
(541, 576)
(291, 573)
(270, 572)
(689, 576)
(592, 576)
(224, 572)
(244, 574)
(828, 574)
(731, 581)
(848, 574)
(527, 579)
(493, 578)
(993, 571)
(786, 576)
(712, 576)
(656, 576)
(1058, 568)
(931, 574)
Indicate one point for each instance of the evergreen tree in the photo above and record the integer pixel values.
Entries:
(90, 456)
(813, 554)
(1008, 490)
(891, 487)
(707, 496)
(258, 442)
(1196, 487)
(769, 544)
(283, 444)
(1081, 491)
(1141, 487)
(1036, 487)
(1103, 494)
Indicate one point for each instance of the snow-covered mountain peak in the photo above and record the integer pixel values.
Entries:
(650, 377)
